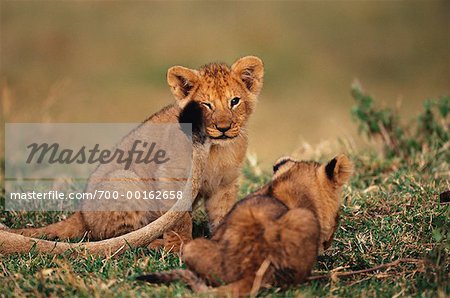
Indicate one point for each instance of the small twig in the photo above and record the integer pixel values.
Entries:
(5, 271)
(259, 277)
(388, 138)
(350, 273)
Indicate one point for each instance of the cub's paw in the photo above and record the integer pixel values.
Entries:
(156, 244)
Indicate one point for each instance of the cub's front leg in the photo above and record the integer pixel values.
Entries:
(220, 203)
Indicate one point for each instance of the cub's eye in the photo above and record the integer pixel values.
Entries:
(234, 101)
(207, 104)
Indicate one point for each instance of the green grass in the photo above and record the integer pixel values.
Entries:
(391, 210)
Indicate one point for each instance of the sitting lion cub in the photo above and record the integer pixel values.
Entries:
(276, 231)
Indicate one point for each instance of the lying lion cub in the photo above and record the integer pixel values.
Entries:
(276, 232)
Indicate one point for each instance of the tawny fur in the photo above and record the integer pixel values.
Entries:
(285, 224)
(216, 165)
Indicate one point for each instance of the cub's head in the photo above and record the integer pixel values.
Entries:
(329, 176)
(226, 95)
(313, 186)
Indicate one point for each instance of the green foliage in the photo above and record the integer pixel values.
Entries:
(253, 176)
(433, 123)
(430, 131)
(439, 255)
(420, 147)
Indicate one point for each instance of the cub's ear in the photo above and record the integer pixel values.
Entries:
(339, 169)
(250, 70)
(182, 81)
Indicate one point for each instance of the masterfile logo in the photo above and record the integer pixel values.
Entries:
(98, 167)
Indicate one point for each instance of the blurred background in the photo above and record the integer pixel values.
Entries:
(91, 61)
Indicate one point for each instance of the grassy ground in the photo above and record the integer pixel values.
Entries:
(391, 210)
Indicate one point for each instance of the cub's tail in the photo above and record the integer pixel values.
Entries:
(166, 277)
(72, 227)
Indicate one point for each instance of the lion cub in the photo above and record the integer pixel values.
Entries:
(278, 231)
(218, 100)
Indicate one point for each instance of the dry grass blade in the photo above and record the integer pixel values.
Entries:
(259, 277)
(368, 270)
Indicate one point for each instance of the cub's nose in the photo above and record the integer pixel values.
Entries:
(223, 128)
